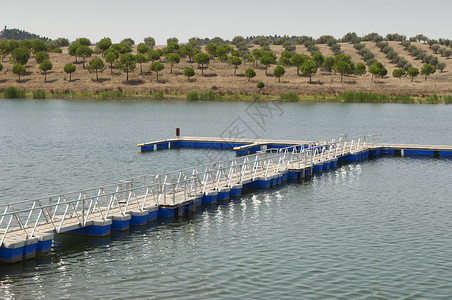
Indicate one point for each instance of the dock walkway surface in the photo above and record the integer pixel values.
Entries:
(27, 228)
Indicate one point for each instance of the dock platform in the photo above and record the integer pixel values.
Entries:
(27, 227)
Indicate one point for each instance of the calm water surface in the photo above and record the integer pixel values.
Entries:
(377, 229)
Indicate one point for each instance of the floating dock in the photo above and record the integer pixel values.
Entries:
(27, 228)
(249, 146)
(241, 146)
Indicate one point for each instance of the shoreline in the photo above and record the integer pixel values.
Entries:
(344, 97)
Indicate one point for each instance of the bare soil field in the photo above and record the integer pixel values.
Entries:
(220, 77)
(348, 49)
(325, 50)
(405, 54)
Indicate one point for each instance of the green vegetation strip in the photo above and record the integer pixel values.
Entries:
(210, 95)
(381, 98)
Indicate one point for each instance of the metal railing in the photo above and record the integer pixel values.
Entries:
(59, 212)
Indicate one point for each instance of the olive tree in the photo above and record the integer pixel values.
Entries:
(250, 73)
(435, 48)
(378, 70)
(41, 56)
(343, 65)
(260, 85)
(72, 50)
(223, 51)
(84, 52)
(217, 41)
(128, 41)
(172, 40)
(427, 70)
(257, 54)
(127, 64)
(104, 44)
(38, 46)
(149, 41)
(318, 58)
(157, 67)
(398, 73)
(236, 61)
(45, 66)
(111, 57)
(297, 60)
(189, 72)
(172, 59)
(238, 41)
(4, 49)
(261, 41)
(142, 48)
(96, 65)
(189, 51)
(70, 68)
(83, 41)
(18, 69)
(202, 59)
(267, 59)
(448, 53)
(122, 48)
(328, 64)
(20, 55)
(360, 69)
(412, 72)
(278, 72)
(441, 66)
(141, 58)
(309, 67)
(211, 49)
(195, 42)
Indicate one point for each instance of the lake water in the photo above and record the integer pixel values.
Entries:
(369, 230)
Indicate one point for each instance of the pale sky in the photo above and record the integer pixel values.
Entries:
(183, 19)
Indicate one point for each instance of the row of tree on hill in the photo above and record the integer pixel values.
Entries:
(121, 57)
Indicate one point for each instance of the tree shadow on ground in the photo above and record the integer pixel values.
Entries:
(134, 82)
(22, 80)
(74, 79)
(50, 80)
(101, 80)
(210, 75)
(316, 83)
(162, 81)
(3, 80)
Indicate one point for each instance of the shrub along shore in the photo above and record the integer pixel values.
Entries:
(211, 95)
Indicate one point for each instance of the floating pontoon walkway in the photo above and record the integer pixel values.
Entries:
(241, 146)
(247, 146)
(27, 227)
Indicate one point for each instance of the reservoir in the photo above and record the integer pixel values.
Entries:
(374, 229)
